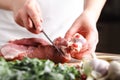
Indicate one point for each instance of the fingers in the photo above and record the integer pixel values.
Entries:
(25, 20)
(29, 16)
(33, 28)
(70, 33)
(18, 19)
(88, 48)
(74, 29)
(84, 53)
(35, 16)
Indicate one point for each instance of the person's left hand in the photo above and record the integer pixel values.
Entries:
(85, 24)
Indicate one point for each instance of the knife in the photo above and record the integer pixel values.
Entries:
(59, 50)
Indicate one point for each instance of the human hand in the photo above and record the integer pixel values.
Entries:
(27, 13)
(86, 26)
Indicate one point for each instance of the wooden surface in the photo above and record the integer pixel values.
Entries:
(108, 56)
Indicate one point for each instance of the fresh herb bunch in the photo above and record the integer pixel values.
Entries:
(35, 69)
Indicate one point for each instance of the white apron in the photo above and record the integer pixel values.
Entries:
(58, 16)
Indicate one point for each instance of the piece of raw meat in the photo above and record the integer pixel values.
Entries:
(39, 48)
(33, 48)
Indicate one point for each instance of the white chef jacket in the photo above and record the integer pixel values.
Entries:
(58, 16)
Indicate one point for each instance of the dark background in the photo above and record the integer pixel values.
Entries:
(109, 28)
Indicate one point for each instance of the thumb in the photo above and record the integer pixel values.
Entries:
(70, 33)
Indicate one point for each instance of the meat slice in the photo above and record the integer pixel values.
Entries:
(33, 48)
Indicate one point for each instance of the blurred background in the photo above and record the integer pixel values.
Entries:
(109, 28)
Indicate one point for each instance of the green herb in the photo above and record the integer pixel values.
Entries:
(35, 69)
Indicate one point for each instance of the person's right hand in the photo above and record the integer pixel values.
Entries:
(27, 14)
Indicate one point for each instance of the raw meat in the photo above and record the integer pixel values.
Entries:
(39, 48)
(72, 46)
(33, 48)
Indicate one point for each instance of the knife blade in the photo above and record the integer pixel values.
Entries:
(59, 50)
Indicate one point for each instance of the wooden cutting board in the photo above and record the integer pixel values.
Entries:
(108, 56)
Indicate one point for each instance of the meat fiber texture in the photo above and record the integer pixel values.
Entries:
(39, 48)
